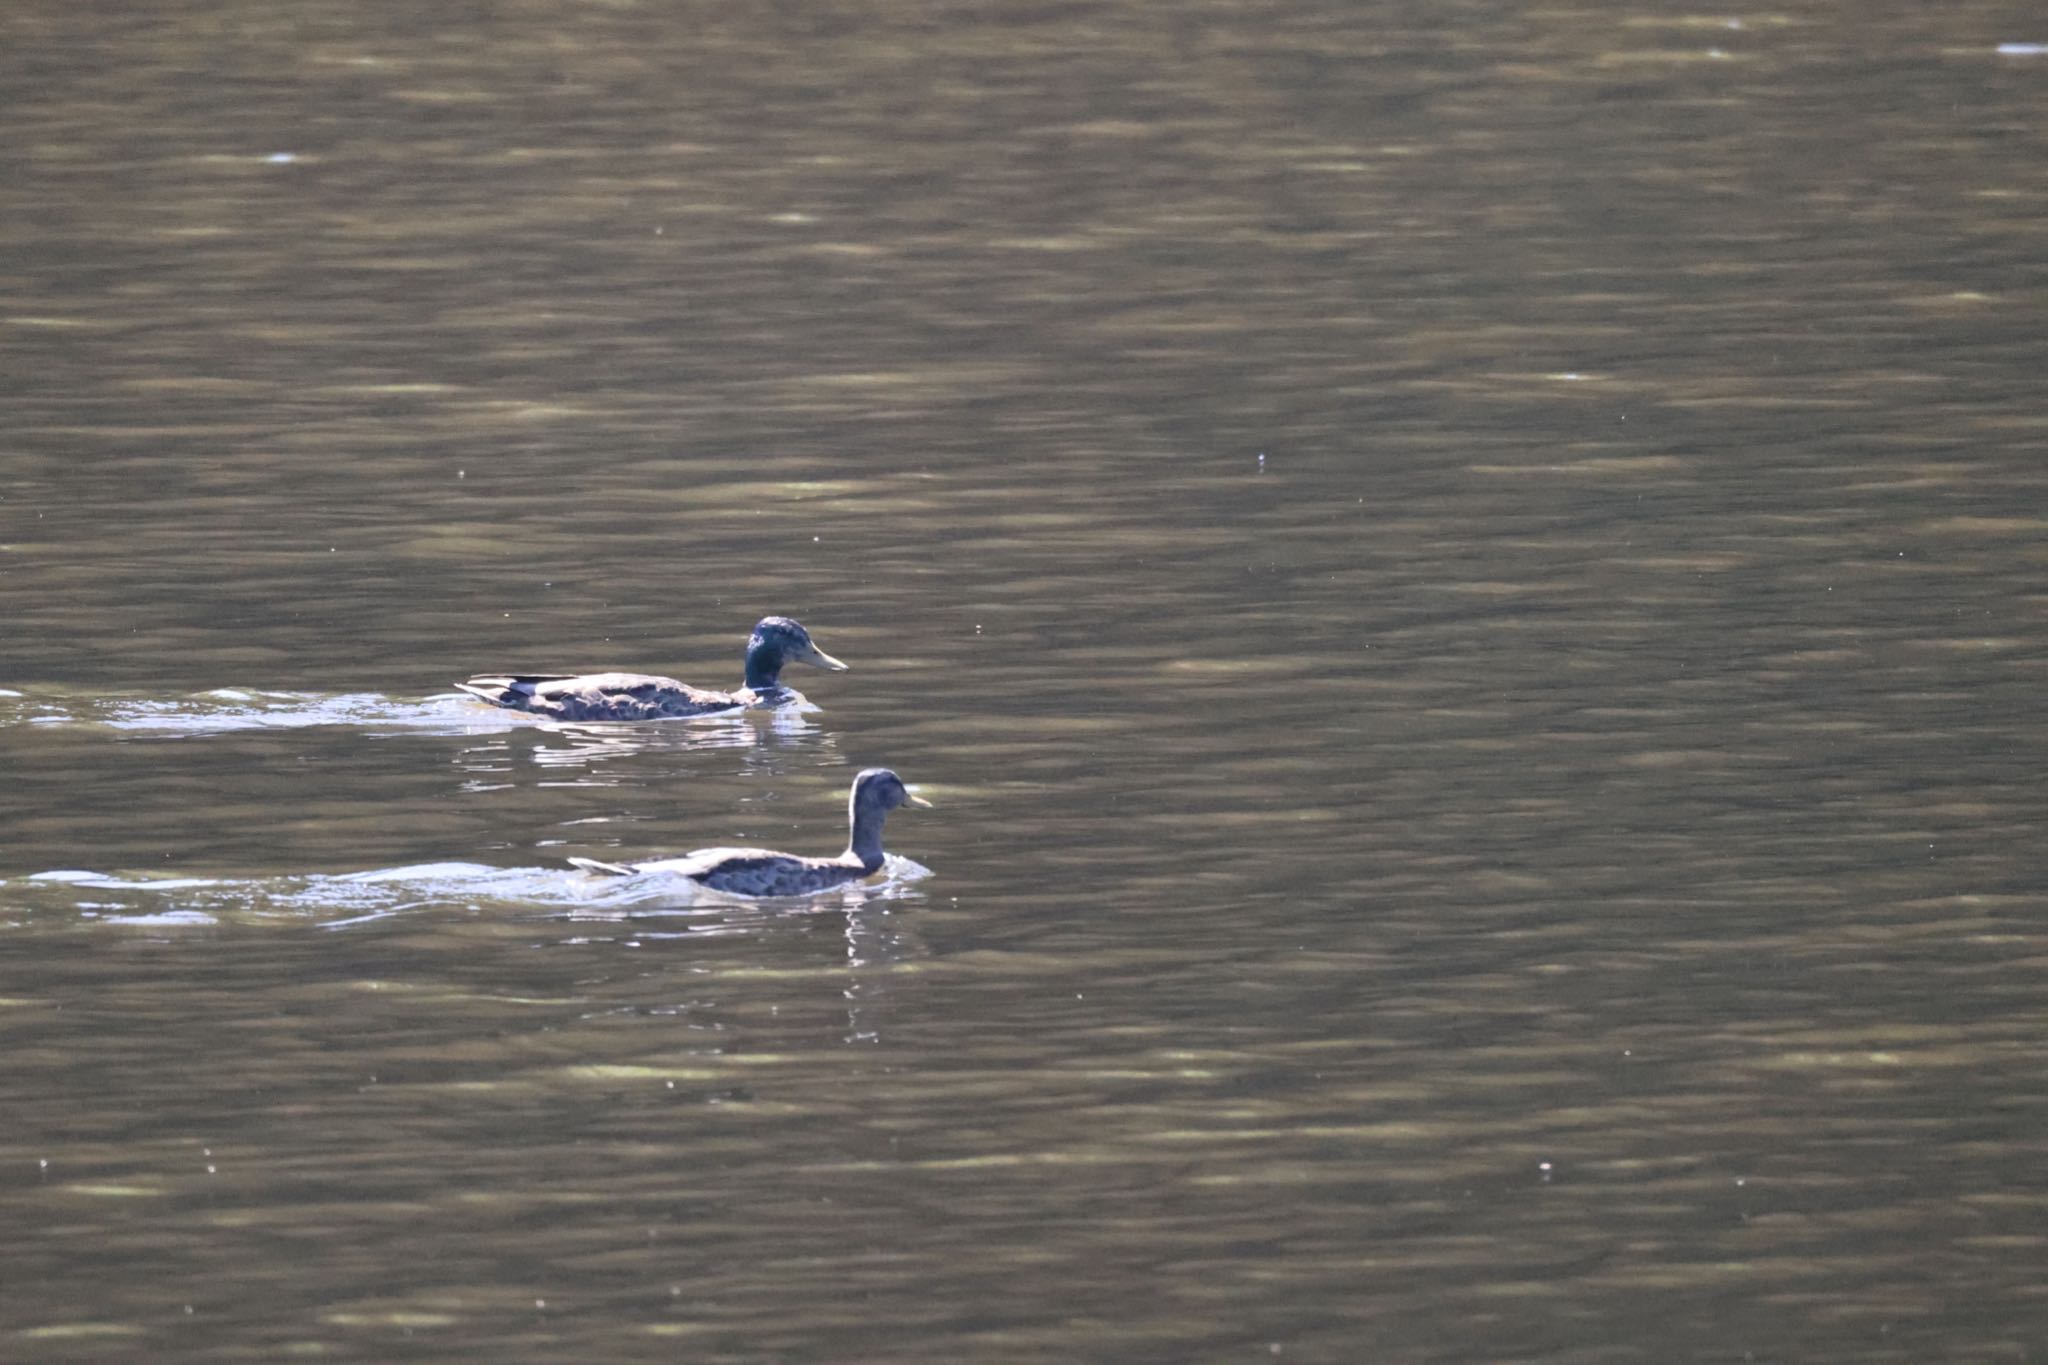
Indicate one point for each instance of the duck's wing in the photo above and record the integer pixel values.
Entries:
(509, 689)
(600, 696)
(607, 869)
(703, 860)
(703, 863)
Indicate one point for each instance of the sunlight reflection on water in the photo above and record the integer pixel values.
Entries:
(1472, 571)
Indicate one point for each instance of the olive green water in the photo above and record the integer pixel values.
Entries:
(1468, 582)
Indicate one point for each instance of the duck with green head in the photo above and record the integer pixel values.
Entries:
(766, 872)
(776, 641)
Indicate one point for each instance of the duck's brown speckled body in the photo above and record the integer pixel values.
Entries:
(776, 641)
(766, 872)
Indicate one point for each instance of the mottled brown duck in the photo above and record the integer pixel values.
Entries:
(766, 872)
(646, 696)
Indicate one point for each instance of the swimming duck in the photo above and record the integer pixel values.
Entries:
(645, 696)
(764, 872)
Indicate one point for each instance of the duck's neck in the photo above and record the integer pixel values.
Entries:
(866, 840)
(764, 666)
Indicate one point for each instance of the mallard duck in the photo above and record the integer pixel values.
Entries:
(764, 872)
(644, 696)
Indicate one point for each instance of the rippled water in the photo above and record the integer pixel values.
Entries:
(1467, 583)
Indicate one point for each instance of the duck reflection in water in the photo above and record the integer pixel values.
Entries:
(770, 741)
(753, 933)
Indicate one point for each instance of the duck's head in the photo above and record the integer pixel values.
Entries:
(776, 641)
(880, 789)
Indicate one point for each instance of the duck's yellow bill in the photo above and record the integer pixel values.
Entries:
(917, 800)
(821, 659)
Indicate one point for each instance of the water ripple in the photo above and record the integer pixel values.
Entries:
(340, 900)
(227, 710)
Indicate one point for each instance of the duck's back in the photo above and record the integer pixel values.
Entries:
(758, 871)
(601, 696)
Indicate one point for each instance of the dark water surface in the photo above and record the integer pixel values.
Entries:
(1469, 582)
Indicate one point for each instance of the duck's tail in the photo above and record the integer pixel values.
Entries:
(510, 689)
(608, 869)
